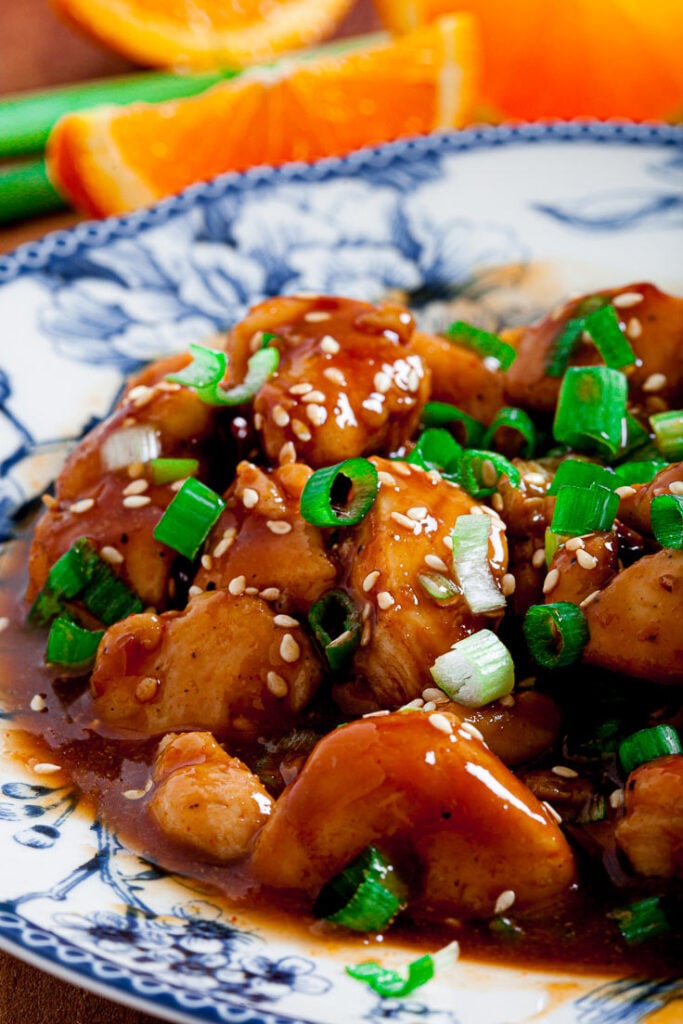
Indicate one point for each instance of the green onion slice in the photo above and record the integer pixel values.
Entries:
(603, 326)
(477, 670)
(555, 633)
(639, 472)
(484, 343)
(482, 470)
(70, 644)
(553, 541)
(591, 409)
(467, 430)
(208, 368)
(634, 437)
(581, 510)
(437, 449)
(648, 744)
(578, 473)
(438, 586)
(336, 625)
(260, 367)
(366, 896)
(187, 521)
(471, 564)
(167, 471)
(666, 515)
(392, 984)
(510, 419)
(668, 430)
(563, 346)
(642, 920)
(107, 597)
(340, 495)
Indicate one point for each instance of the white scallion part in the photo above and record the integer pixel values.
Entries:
(477, 670)
(471, 564)
(129, 445)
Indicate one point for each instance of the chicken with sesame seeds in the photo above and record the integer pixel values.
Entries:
(425, 787)
(389, 557)
(227, 663)
(651, 831)
(349, 381)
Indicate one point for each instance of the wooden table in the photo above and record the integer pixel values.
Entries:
(36, 50)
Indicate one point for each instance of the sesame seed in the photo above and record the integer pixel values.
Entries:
(401, 469)
(250, 497)
(418, 513)
(386, 478)
(497, 502)
(376, 714)
(538, 558)
(366, 634)
(252, 591)
(385, 600)
(551, 581)
(434, 562)
(627, 299)
(330, 345)
(448, 541)
(585, 559)
(147, 689)
(286, 621)
(316, 316)
(508, 584)
(287, 454)
(434, 476)
(289, 649)
(138, 486)
(587, 600)
(270, 593)
(135, 470)
(564, 771)
(676, 487)
(430, 705)
(472, 731)
(258, 420)
(237, 584)
(616, 799)
(314, 396)
(367, 611)
(535, 479)
(224, 544)
(49, 502)
(4, 623)
(280, 416)
(634, 328)
(316, 414)
(111, 555)
(413, 705)
(168, 385)
(552, 812)
(432, 693)
(335, 375)
(136, 501)
(374, 403)
(504, 901)
(404, 521)
(133, 794)
(301, 430)
(38, 702)
(46, 768)
(300, 389)
(574, 543)
(655, 382)
(370, 580)
(84, 505)
(277, 685)
(140, 395)
(625, 491)
(195, 590)
(381, 382)
(207, 562)
(279, 526)
(489, 473)
(440, 722)
(177, 484)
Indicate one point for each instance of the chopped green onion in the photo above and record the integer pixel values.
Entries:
(437, 449)
(392, 984)
(666, 515)
(108, 598)
(471, 564)
(510, 419)
(129, 445)
(484, 343)
(481, 472)
(267, 337)
(208, 368)
(634, 437)
(595, 809)
(577, 473)
(340, 495)
(167, 471)
(591, 408)
(563, 346)
(70, 573)
(581, 510)
(555, 633)
(442, 414)
(336, 625)
(260, 367)
(438, 586)
(187, 521)
(366, 896)
(642, 920)
(553, 541)
(70, 644)
(648, 744)
(603, 326)
(668, 430)
(639, 472)
(476, 671)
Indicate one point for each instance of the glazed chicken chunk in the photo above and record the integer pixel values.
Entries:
(651, 832)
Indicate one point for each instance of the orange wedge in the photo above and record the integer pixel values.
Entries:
(113, 159)
(568, 58)
(204, 33)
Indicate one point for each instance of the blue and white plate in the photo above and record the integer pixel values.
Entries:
(501, 221)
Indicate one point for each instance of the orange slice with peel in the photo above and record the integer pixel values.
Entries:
(204, 33)
(569, 58)
(113, 159)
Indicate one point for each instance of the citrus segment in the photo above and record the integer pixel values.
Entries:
(204, 33)
(590, 58)
(113, 159)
